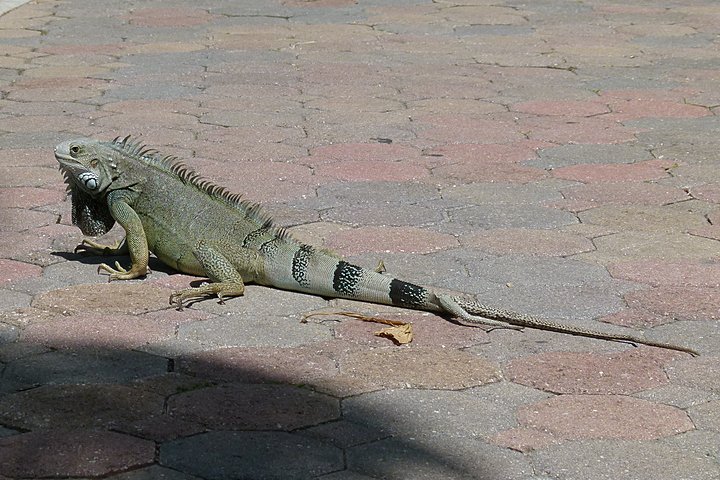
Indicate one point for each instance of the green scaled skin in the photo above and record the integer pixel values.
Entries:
(199, 228)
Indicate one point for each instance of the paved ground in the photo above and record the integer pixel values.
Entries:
(554, 157)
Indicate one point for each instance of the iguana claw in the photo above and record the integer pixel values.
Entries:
(120, 272)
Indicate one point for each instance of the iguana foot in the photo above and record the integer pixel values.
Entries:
(94, 248)
(120, 273)
(221, 289)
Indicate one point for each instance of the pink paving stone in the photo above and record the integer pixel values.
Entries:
(24, 245)
(72, 453)
(564, 130)
(604, 417)
(169, 17)
(625, 110)
(362, 152)
(681, 303)
(19, 219)
(523, 439)
(101, 330)
(12, 271)
(389, 239)
(389, 171)
(410, 367)
(35, 123)
(596, 173)
(29, 197)
(571, 372)
(568, 108)
(27, 157)
(708, 193)
(680, 273)
(528, 242)
(481, 154)
(127, 297)
(478, 163)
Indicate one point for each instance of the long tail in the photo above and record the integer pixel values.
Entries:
(306, 269)
(479, 314)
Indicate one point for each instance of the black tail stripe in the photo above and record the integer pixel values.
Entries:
(346, 279)
(406, 294)
(300, 263)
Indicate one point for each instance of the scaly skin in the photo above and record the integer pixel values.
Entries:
(199, 228)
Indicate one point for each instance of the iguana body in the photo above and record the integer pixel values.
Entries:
(199, 228)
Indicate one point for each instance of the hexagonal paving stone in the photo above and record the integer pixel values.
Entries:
(254, 407)
(271, 455)
(71, 453)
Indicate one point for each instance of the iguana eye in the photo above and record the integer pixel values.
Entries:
(74, 149)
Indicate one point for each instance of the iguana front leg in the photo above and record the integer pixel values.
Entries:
(135, 242)
(92, 247)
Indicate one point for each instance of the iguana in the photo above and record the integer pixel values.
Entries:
(200, 228)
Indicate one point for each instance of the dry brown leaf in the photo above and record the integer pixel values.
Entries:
(400, 333)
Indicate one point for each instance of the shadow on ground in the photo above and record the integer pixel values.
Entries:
(97, 411)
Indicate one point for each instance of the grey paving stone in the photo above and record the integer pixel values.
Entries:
(343, 434)
(706, 416)
(8, 333)
(447, 459)
(346, 475)
(503, 193)
(668, 131)
(700, 442)
(341, 194)
(255, 328)
(624, 460)
(11, 299)
(56, 367)
(703, 336)
(470, 219)
(267, 455)
(385, 214)
(552, 287)
(678, 396)
(565, 155)
(154, 472)
(428, 416)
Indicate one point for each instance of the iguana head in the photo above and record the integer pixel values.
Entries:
(87, 164)
(88, 168)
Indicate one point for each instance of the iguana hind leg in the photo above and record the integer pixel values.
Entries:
(224, 271)
(451, 306)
